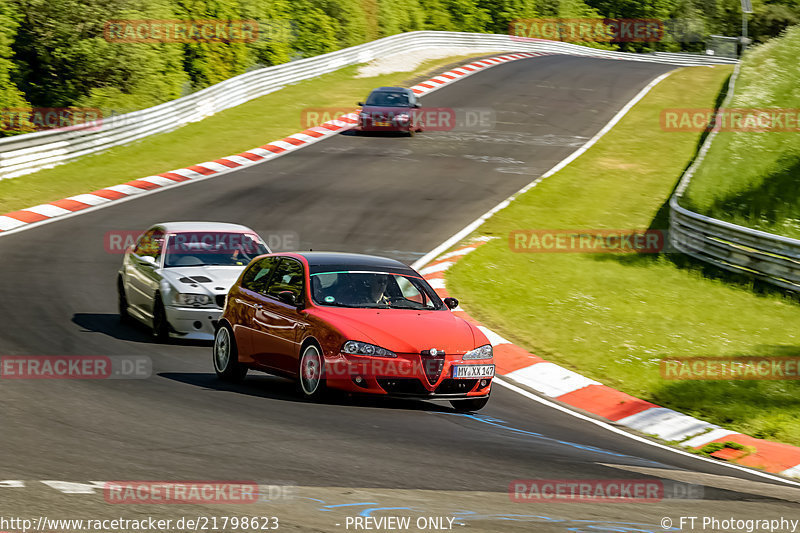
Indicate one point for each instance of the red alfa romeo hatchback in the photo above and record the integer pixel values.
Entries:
(357, 323)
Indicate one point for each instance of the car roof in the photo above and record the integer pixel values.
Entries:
(392, 90)
(337, 261)
(181, 227)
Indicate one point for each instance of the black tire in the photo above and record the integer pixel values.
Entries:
(311, 383)
(226, 357)
(122, 303)
(464, 406)
(160, 330)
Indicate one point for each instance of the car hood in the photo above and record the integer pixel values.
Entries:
(405, 330)
(204, 279)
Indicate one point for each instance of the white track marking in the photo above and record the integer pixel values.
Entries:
(433, 254)
(551, 379)
(705, 438)
(666, 424)
(89, 199)
(637, 438)
(69, 487)
(47, 210)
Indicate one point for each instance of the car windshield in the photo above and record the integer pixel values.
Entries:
(212, 248)
(387, 99)
(373, 290)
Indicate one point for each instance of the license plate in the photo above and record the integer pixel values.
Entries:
(383, 124)
(473, 371)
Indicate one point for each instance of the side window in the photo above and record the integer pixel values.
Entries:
(150, 244)
(409, 291)
(257, 276)
(288, 277)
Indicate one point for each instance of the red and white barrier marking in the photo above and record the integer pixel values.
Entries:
(579, 391)
(44, 212)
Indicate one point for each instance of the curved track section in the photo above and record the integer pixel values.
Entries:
(384, 195)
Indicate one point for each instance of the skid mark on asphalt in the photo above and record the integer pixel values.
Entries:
(502, 424)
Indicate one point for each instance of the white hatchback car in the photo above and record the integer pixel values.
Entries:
(177, 275)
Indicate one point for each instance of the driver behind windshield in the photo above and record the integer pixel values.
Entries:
(378, 290)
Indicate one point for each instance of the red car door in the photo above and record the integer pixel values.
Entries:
(246, 299)
(278, 324)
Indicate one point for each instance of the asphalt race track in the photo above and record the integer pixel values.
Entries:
(393, 196)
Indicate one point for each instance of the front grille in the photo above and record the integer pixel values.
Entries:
(402, 386)
(433, 366)
(220, 298)
(456, 386)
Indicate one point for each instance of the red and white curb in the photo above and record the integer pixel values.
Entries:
(24, 218)
(578, 391)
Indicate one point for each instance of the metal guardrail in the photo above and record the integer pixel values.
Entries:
(772, 258)
(34, 151)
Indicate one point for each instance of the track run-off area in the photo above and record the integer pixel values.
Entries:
(384, 195)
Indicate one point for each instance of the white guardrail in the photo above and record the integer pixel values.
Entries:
(771, 258)
(30, 152)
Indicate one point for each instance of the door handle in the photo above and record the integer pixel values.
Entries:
(248, 304)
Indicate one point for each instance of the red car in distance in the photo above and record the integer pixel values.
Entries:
(390, 109)
(356, 323)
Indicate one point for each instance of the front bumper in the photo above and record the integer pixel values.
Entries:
(193, 323)
(407, 376)
(368, 125)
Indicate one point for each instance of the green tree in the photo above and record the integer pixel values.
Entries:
(772, 19)
(274, 44)
(349, 20)
(210, 62)
(64, 58)
(314, 31)
(502, 12)
(468, 15)
(11, 97)
(398, 16)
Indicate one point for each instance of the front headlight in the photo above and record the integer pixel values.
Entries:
(482, 352)
(364, 348)
(193, 300)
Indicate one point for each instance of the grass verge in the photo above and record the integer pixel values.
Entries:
(613, 317)
(232, 131)
(751, 178)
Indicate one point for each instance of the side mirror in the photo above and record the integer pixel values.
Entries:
(451, 303)
(361, 104)
(148, 260)
(287, 297)
(417, 104)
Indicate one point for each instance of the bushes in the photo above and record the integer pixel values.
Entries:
(10, 96)
(63, 58)
(53, 52)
